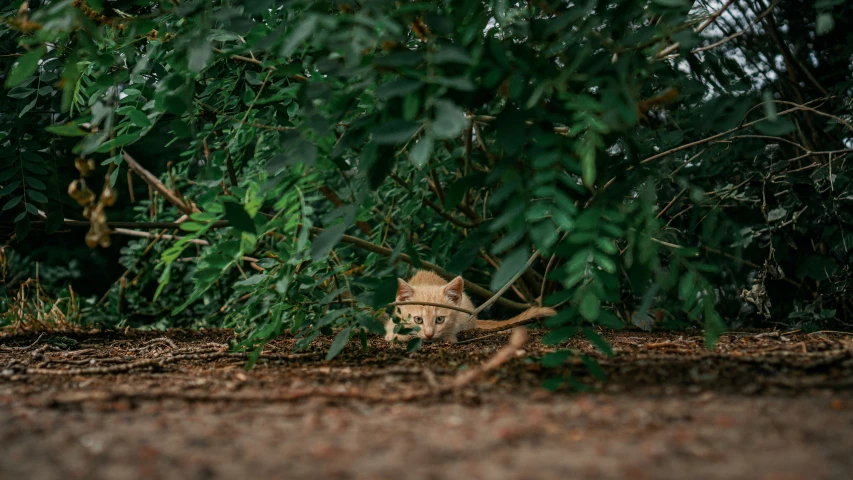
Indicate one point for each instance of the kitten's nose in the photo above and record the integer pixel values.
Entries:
(429, 333)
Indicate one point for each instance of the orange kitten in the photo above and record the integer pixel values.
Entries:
(438, 323)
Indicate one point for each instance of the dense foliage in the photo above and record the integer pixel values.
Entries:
(637, 162)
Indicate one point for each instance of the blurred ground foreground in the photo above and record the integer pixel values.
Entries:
(175, 405)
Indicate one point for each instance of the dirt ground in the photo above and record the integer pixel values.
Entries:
(176, 405)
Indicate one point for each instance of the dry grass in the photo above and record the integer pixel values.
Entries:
(28, 307)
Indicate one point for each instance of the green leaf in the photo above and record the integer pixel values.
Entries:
(118, 142)
(714, 327)
(414, 344)
(305, 29)
(604, 262)
(685, 288)
(31, 165)
(552, 384)
(776, 214)
(457, 191)
(422, 150)
(13, 202)
(67, 130)
(400, 59)
(398, 88)
(413, 255)
(769, 106)
(608, 320)
(411, 107)
(9, 188)
(590, 306)
(362, 336)
(7, 174)
(139, 118)
(338, 343)
(511, 130)
(27, 108)
(513, 264)
(326, 240)
(588, 170)
(372, 325)
(191, 226)
(555, 359)
(452, 54)
(35, 183)
(457, 83)
(450, 121)
(824, 23)
(36, 196)
(54, 221)
(599, 342)
(252, 281)
(114, 177)
(782, 126)
(593, 367)
(395, 132)
(386, 291)
(22, 228)
(199, 54)
(223, 37)
(24, 67)
(560, 335)
(19, 92)
(237, 217)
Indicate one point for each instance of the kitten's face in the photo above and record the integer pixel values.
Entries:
(434, 322)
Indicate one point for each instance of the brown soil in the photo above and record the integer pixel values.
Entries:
(110, 405)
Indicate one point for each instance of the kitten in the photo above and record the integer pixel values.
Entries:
(437, 323)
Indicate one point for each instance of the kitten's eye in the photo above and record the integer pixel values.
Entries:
(439, 320)
(419, 320)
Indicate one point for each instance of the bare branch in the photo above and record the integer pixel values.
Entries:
(155, 182)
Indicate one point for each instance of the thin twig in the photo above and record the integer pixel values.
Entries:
(708, 21)
(818, 112)
(671, 203)
(737, 34)
(155, 182)
(255, 61)
(433, 304)
(503, 289)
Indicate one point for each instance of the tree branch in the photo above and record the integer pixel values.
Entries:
(155, 182)
(433, 304)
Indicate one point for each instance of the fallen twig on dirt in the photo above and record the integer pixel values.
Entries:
(158, 362)
(166, 340)
(3, 347)
(516, 340)
(475, 339)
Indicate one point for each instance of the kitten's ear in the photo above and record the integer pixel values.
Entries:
(453, 290)
(404, 291)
